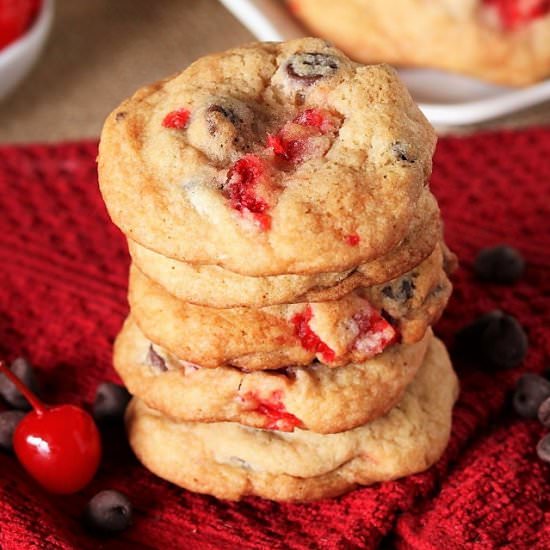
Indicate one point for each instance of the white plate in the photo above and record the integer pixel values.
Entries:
(445, 98)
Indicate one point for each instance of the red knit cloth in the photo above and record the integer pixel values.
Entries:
(62, 300)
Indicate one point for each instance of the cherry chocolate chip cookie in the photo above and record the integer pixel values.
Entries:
(354, 328)
(231, 461)
(503, 41)
(268, 159)
(314, 397)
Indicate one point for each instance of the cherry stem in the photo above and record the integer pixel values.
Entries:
(37, 405)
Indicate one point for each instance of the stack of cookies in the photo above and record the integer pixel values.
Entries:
(288, 264)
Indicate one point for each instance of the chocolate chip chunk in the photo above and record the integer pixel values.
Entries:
(401, 291)
(543, 448)
(155, 360)
(226, 112)
(24, 371)
(311, 66)
(108, 512)
(121, 115)
(110, 401)
(544, 413)
(499, 264)
(531, 391)
(8, 422)
(504, 342)
(496, 338)
(402, 153)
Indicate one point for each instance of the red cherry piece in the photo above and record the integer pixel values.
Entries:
(516, 13)
(242, 180)
(316, 118)
(59, 446)
(290, 150)
(291, 142)
(277, 417)
(309, 340)
(15, 17)
(353, 239)
(177, 119)
(375, 333)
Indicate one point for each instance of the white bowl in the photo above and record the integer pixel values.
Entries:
(18, 58)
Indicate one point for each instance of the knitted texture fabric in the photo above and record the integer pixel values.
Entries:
(63, 273)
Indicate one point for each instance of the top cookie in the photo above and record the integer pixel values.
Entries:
(268, 159)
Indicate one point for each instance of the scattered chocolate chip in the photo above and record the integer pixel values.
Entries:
(494, 337)
(401, 291)
(155, 360)
(531, 391)
(499, 264)
(24, 371)
(504, 342)
(402, 153)
(110, 401)
(544, 413)
(543, 448)
(121, 115)
(8, 423)
(108, 512)
(311, 66)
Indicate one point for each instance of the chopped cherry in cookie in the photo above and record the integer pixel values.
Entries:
(305, 136)
(309, 340)
(353, 239)
(177, 119)
(277, 417)
(516, 13)
(374, 333)
(245, 179)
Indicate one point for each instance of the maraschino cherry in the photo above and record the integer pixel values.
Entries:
(59, 446)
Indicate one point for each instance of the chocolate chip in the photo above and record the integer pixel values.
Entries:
(8, 423)
(500, 264)
(543, 448)
(402, 153)
(401, 291)
(226, 112)
(108, 512)
(494, 337)
(504, 342)
(531, 391)
(110, 401)
(155, 360)
(24, 371)
(544, 413)
(121, 115)
(311, 66)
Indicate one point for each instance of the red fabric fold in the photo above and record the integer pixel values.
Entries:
(63, 269)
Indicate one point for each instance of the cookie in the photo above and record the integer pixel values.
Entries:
(502, 41)
(231, 461)
(268, 159)
(214, 286)
(315, 397)
(335, 333)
